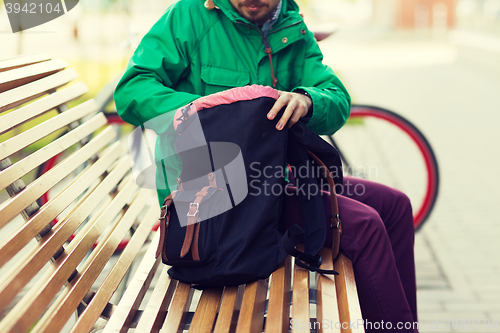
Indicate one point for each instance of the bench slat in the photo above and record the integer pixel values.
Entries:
(156, 310)
(130, 301)
(61, 311)
(326, 295)
(204, 316)
(177, 313)
(24, 271)
(40, 131)
(300, 299)
(20, 76)
(15, 242)
(41, 294)
(29, 163)
(21, 95)
(38, 187)
(229, 309)
(252, 307)
(347, 294)
(41, 106)
(21, 61)
(278, 309)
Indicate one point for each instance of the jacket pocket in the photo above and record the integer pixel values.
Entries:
(218, 79)
(287, 80)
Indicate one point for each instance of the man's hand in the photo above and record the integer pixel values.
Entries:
(297, 106)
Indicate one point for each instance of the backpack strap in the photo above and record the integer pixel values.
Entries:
(164, 220)
(334, 217)
(193, 228)
(193, 213)
(311, 206)
(289, 242)
(311, 203)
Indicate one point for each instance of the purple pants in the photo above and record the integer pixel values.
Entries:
(378, 237)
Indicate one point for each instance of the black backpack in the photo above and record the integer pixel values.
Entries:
(222, 225)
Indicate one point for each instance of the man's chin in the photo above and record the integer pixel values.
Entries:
(255, 18)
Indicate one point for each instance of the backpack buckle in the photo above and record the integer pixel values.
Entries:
(166, 212)
(336, 216)
(193, 204)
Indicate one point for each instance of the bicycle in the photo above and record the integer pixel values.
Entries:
(370, 145)
(364, 120)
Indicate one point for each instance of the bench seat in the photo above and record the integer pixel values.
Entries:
(59, 258)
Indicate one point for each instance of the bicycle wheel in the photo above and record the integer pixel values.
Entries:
(382, 146)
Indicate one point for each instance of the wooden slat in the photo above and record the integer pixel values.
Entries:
(15, 97)
(278, 309)
(129, 303)
(24, 75)
(156, 310)
(347, 295)
(204, 316)
(25, 233)
(300, 301)
(24, 271)
(41, 106)
(229, 309)
(34, 134)
(326, 296)
(45, 289)
(33, 191)
(63, 308)
(251, 315)
(177, 313)
(29, 163)
(16, 62)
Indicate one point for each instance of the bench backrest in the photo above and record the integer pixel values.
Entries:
(93, 198)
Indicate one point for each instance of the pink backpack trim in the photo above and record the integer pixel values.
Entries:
(245, 93)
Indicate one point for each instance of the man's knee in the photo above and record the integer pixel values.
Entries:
(403, 209)
(364, 224)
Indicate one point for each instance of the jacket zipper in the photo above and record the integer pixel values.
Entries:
(267, 46)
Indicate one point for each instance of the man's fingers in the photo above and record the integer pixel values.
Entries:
(296, 108)
(278, 105)
(286, 115)
(300, 111)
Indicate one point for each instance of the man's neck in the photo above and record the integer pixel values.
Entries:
(273, 17)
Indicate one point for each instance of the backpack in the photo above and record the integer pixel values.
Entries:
(221, 226)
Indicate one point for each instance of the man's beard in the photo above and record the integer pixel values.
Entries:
(256, 20)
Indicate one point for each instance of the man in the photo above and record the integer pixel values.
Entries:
(198, 48)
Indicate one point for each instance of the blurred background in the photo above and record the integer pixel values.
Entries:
(436, 62)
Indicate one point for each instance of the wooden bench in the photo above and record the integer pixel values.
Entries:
(49, 272)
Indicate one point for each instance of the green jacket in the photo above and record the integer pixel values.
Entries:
(192, 52)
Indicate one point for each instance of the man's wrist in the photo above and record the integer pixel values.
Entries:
(308, 116)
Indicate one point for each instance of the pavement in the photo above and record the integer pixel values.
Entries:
(455, 102)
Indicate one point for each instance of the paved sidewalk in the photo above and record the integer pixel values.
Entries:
(456, 104)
